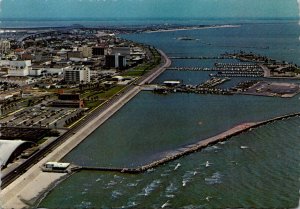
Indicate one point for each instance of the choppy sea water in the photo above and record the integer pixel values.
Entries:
(258, 169)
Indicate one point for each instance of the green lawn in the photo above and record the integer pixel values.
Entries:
(102, 96)
(109, 93)
(144, 67)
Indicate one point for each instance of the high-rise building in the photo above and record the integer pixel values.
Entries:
(4, 46)
(122, 61)
(86, 51)
(99, 51)
(115, 61)
(77, 74)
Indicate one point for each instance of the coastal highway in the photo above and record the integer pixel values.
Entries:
(68, 141)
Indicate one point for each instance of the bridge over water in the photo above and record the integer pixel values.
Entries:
(37, 35)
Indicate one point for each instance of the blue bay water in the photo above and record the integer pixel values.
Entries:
(258, 169)
(152, 124)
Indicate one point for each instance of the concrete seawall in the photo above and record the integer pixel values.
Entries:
(173, 155)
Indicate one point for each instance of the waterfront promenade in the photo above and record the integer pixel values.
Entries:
(20, 193)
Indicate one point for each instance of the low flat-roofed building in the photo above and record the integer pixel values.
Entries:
(124, 50)
(69, 101)
(57, 165)
(16, 71)
(22, 81)
(35, 72)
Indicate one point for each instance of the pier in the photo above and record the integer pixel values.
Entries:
(228, 70)
(186, 150)
(238, 74)
(190, 69)
(208, 87)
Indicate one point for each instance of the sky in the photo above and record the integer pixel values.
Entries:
(105, 9)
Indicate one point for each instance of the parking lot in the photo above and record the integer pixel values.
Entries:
(264, 88)
(43, 117)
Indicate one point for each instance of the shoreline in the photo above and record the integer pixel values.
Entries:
(20, 188)
(133, 30)
(193, 28)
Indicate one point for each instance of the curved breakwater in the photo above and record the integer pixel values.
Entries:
(175, 154)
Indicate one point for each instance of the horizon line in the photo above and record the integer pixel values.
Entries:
(139, 18)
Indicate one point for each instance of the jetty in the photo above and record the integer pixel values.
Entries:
(186, 150)
(202, 57)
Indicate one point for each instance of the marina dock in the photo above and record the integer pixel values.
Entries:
(228, 70)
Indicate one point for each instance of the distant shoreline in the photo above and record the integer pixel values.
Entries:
(193, 28)
(137, 29)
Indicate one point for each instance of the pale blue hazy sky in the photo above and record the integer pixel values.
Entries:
(148, 8)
